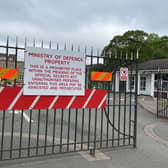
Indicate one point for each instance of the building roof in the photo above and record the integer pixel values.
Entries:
(154, 64)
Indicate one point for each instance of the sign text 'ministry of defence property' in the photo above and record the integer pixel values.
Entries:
(53, 72)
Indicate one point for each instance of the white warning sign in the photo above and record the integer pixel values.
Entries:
(123, 74)
(52, 72)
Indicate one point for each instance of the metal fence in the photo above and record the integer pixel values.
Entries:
(29, 133)
(162, 96)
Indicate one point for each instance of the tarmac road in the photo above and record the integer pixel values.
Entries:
(150, 152)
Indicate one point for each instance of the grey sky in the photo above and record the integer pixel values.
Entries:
(87, 22)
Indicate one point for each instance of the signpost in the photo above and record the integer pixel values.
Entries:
(53, 72)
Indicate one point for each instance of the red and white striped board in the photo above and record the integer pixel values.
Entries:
(12, 98)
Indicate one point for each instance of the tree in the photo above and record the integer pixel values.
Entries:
(151, 46)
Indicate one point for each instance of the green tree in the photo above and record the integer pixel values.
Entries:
(151, 46)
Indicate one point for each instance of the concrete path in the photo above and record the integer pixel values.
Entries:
(148, 103)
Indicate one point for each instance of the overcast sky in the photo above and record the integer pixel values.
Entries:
(84, 22)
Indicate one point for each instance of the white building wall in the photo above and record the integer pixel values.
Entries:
(150, 79)
(147, 90)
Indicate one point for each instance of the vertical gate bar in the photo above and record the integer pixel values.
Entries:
(2, 135)
(21, 131)
(108, 99)
(136, 101)
(72, 48)
(97, 84)
(16, 53)
(25, 44)
(161, 91)
(34, 43)
(91, 66)
(95, 130)
(164, 106)
(65, 47)
(162, 95)
(158, 93)
(7, 52)
(42, 44)
(85, 49)
(114, 107)
(68, 133)
(124, 125)
(46, 132)
(125, 104)
(38, 131)
(54, 126)
(12, 129)
(79, 48)
(50, 44)
(83, 116)
(29, 138)
(86, 70)
(119, 108)
(57, 46)
(101, 130)
(61, 132)
(130, 106)
(76, 126)
(119, 114)
(89, 128)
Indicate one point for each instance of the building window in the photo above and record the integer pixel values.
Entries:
(131, 83)
(143, 83)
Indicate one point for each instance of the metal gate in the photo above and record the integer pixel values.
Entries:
(162, 96)
(29, 133)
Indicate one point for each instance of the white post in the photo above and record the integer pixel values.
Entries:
(117, 81)
(152, 84)
(138, 83)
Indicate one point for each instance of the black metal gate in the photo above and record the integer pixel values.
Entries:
(162, 96)
(29, 133)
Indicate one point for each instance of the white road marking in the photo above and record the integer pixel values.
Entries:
(149, 130)
(26, 117)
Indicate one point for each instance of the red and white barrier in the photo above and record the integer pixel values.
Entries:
(12, 98)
